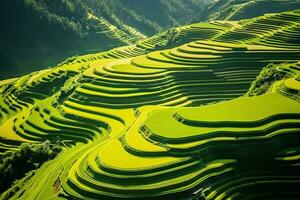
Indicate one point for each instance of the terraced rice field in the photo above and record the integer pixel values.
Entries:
(243, 9)
(277, 30)
(141, 125)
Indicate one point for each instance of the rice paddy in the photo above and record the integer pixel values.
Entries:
(142, 122)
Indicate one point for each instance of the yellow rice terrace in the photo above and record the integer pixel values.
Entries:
(206, 111)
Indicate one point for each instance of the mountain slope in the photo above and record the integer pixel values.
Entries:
(50, 31)
(143, 127)
(149, 17)
(270, 29)
(243, 9)
(37, 34)
(53, 29)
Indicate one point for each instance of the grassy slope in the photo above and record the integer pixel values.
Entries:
(100, 105)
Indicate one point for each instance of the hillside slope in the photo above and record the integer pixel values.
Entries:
(37, 34)
(40, 33)
(140, 125)
(244, 9)
(50, 31)
(271, 29)
(149, 17)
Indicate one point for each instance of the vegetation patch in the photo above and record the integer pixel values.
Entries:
(15, 164)
(266, 78)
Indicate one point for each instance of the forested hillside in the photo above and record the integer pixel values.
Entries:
(39, 33)
(149, 17)
(244, 9)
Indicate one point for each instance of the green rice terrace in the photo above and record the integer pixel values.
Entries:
(207, 111)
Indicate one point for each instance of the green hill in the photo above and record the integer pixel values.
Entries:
(36, 34)
(275, 30)
(41, 33)
(148, 17)
(177, 122)
(244, 9)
